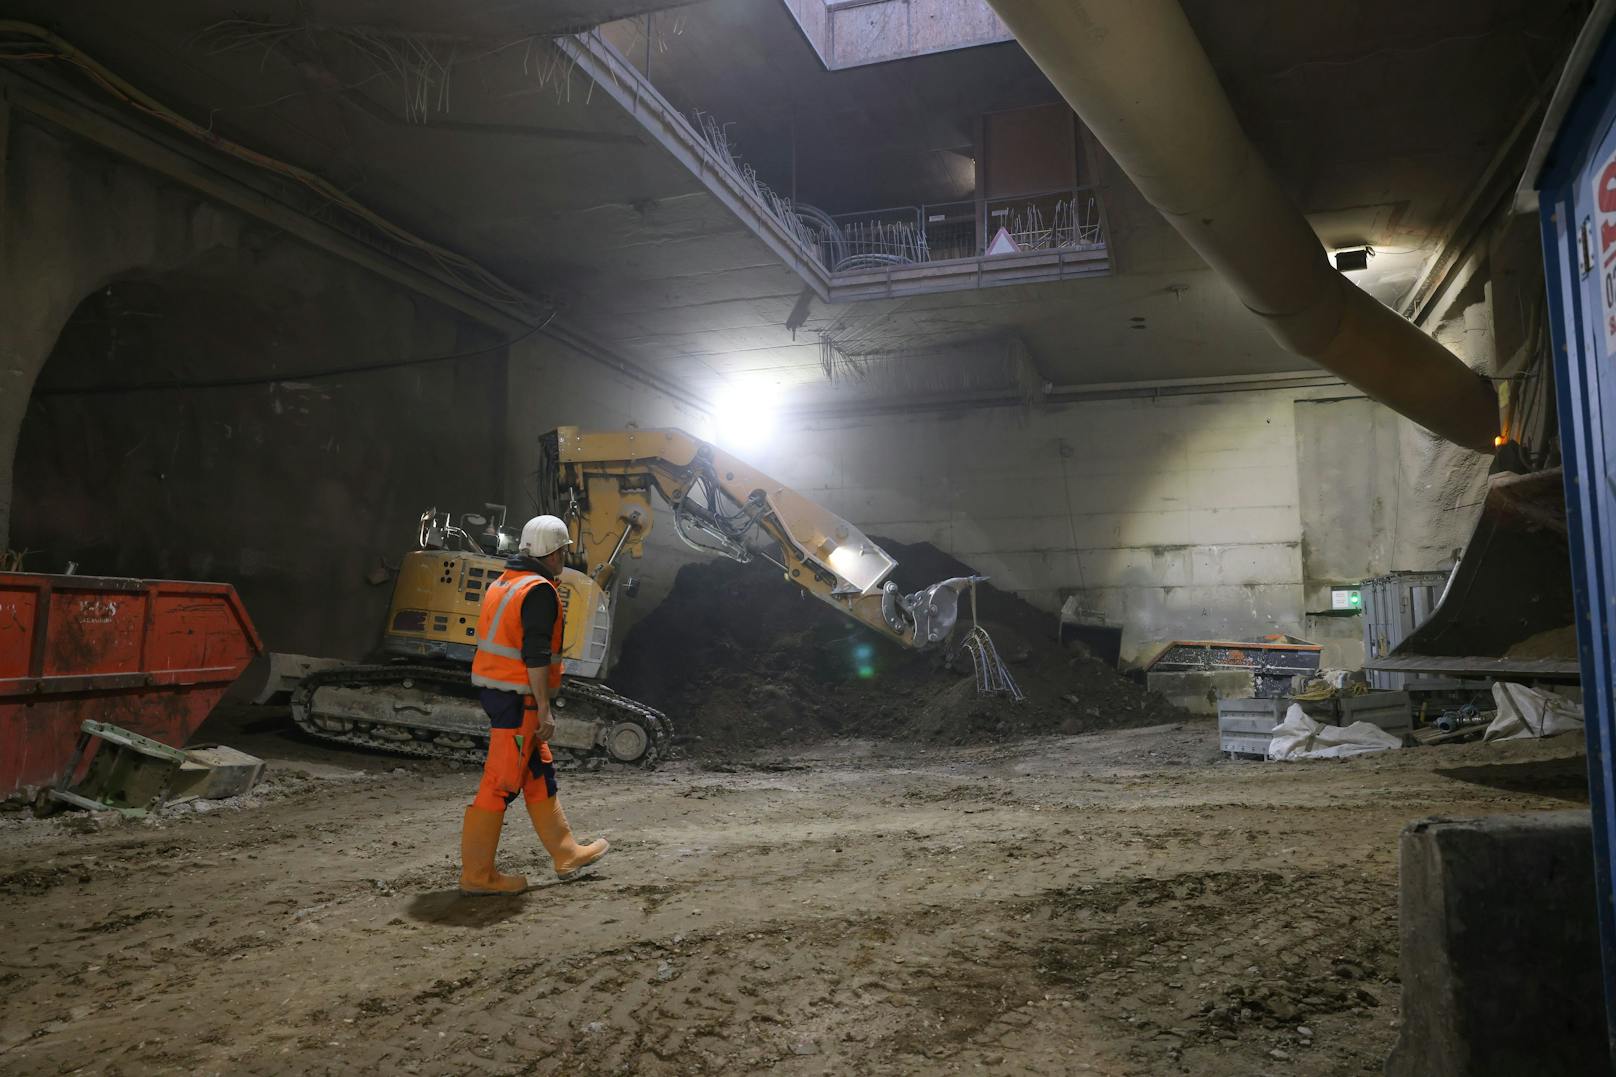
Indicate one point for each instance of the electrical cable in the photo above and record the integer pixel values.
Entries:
(271, 379)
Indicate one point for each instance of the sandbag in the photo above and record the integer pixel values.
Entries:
(1527, 712)
(1302, 737)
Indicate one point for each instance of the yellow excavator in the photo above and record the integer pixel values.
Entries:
(419, 699)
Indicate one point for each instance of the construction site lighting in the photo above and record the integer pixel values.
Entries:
(745, 417)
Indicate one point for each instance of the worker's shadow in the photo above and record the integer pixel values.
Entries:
(451, 908)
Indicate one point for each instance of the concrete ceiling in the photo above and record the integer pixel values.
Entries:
(1380, 118)
(510, 159)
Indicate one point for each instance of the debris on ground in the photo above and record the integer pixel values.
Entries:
(1120, 900)
(133, 774)
(1301, 736)
(1524, 711)
(740, 658)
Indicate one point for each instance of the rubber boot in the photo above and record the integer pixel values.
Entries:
(571, 859)
(479, 841)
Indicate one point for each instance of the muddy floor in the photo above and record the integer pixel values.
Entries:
(1116, 903)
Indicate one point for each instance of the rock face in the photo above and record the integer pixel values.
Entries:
(740, 658)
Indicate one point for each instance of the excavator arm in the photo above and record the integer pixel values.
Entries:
(601, 484)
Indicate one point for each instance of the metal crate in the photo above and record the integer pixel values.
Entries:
(1245, 726)
(1394, 606)
(1391, 711)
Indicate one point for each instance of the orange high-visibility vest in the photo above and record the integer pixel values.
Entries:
(498, 662)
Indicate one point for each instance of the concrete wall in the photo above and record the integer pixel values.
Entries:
(1177, 516)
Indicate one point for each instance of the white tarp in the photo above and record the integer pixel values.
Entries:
(1526, 712)
(1301, 737)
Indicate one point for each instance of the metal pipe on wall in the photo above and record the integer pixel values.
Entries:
(1137, 76)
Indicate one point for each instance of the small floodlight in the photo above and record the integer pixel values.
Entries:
(1353, 259)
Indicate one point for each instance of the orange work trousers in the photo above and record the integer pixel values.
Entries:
(518, 761)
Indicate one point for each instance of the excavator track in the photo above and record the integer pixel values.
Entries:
(466, 739)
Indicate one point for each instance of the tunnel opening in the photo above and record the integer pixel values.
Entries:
(184, 427)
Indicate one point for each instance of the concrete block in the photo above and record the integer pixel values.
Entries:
(1167, 613)
(991, 499)
(1240, 438)
(1199, 692)
(1500, 948)
(1132, 566)
(1011, 534)
(1275, 524)
(1170, 528)
(215, 772)
(1091, 494)
(1024, 571)
(1128, 450)
(950, 24)
(1242, 487)
(1246, 564)
(865, 35)
(870, 508)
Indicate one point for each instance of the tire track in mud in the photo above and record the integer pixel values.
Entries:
(1180, 970)
(887, 916)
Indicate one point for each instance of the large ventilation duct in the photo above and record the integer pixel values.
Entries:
(1140, 80)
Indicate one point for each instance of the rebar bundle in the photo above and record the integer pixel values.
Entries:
(873, 243)
(992, 676)
(1071, 224)
(716, 135)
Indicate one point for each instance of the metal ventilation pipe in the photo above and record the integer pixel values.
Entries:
(1140, 80)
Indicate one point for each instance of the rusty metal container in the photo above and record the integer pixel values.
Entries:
(153, 656)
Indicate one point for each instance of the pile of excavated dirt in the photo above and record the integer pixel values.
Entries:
(739, 658)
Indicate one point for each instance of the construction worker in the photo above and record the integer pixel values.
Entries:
(517, 670)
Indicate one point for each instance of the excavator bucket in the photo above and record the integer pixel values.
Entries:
(1506, 610)
(934, 609)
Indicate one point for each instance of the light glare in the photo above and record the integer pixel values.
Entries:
(744, 419)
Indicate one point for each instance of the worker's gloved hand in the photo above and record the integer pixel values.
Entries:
(546, 728)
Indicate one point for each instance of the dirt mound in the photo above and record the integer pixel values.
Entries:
(740, 658)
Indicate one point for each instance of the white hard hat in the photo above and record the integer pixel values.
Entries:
(544, 535)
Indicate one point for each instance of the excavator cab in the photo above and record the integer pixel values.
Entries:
(439, 593)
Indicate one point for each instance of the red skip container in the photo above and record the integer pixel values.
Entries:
(153, 656)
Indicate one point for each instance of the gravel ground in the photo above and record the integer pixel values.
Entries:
(1122, 902)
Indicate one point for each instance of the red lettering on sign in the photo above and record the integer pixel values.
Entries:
(1607, 189)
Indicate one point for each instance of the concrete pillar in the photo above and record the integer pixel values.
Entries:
(1500, 949)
